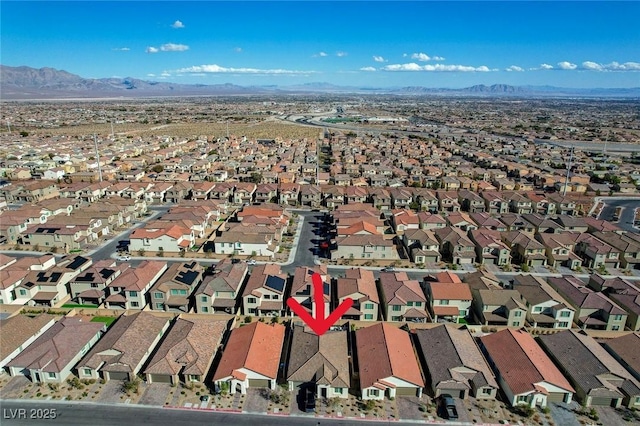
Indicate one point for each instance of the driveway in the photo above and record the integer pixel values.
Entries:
(255, 402)
(155, 394)
(112, 392)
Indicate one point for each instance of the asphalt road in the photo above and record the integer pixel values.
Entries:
(306, 241)
(626, 217)
(29, 412)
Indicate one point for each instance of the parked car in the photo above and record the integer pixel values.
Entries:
(310, 401)
(448, 408)
(388, 269)
(124, 258)
(251, 262)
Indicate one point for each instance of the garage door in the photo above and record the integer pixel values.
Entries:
(160, 378)
(602, 401)
(555, 397)
(406, 391)
(116, 375)
(258, 383)
(456, 393)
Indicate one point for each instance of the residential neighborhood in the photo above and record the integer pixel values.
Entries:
(483, 268)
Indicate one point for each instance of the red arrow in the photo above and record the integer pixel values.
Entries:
(319, 323)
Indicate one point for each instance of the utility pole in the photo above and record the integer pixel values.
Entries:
(566, 181)
(95, 141)
(112, 133)
(9, 125)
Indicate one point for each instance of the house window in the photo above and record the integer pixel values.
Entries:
(51, 375)
(86, 371)
(565, 314)
(193, 378)
(338, 390)
(94, 285)
(486, 391)
(159, 305)
(133, 294)
(537, 309)
(617, 317)
(444, 302)
(515, 324)
(23, 292)
(135, 304)
(563, 324)
(178, 292)
(396, 308)
(409, 303)
(418, 304)
(205, 309)
(266, 296)
(521, 398)
(252, 311)
(615, 328)
(274, 297)
(368, 316)
(373, 392)
(158, 295)
(204, 299)
(396, 318)
(517, 314)
(463, 312)
(251, 300)
(368, 305)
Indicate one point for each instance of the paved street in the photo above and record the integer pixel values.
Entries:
(626, 218)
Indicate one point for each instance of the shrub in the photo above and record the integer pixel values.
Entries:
(131, 386)
(247, 319)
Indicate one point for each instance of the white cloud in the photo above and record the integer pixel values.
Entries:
(546, 67)
(217, 69)
(564, 65)
(121, 49)
(589, 65)
(627, 66)
(341, 54)
(320, 55)
(165, 74)
(367, 69)
(151, 75)
(437, 68)
(421, 57)
(177, 24)
(152, 49)
(514, 68)
(238, 50)
(378, 58)
(437, 58)
(172, 47)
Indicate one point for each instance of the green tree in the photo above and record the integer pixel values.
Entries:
(158, 168)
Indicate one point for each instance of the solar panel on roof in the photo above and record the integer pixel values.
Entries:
(106, 273)
(77, 262)
(275, 283)
(55, 277)
(187, 277)
(42, 277)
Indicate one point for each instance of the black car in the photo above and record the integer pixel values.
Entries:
(309, 401)
(447, 407)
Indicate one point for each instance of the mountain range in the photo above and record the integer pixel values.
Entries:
(48, 83)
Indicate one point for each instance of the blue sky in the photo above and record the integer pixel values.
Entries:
(375, 44)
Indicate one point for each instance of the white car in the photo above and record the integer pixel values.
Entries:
(251, 262)
(125, 258)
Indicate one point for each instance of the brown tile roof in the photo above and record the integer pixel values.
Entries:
(319, 359)
(626, 348)
(126, 344)
(521, 362)
(256, 347)
(18, 329)
(450, 291)
(358, 280)
(385, 351)
(397, 287)
(188, 348)
(56, 347)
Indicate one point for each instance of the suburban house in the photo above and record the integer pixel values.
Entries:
(19, 331)
(360, 286)
(403, 299)
(454, 364)
(422, 246)
(265, 291)
(596, 376)
(129, 290)
(320, 363)
(455, 246)
(302, 289)
(172, 291)
(387, 363)
(593, 309)
(559, 250)
(170, 238)
(366, 247)
(251, 358)
(625, 350)
(449, 298)
(525, 373)
(489, 247)
(623, 292)
(89, 287)
(124, 348)
(50, 358)
(249, 240)
(545, 307)
(15, 272)
(187, 351)
(525, 249)
(596, 253)
(218, 293)
(496, 306)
